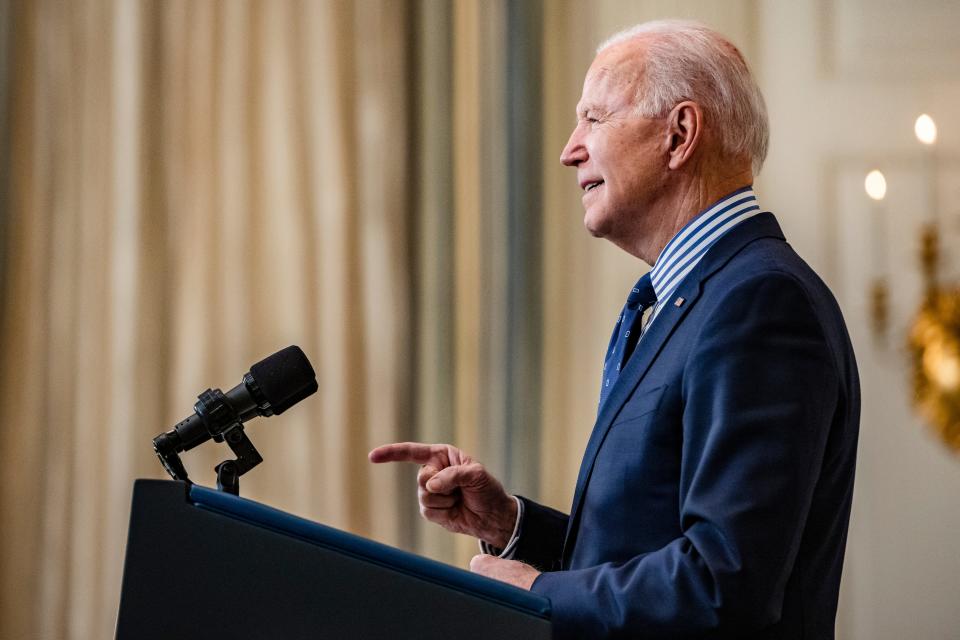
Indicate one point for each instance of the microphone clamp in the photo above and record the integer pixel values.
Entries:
(214, 417)
(272, 386)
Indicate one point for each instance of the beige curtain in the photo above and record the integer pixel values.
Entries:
(190, 186)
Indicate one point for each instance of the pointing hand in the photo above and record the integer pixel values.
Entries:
(455, 491)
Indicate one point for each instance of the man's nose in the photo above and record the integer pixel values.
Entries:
(574, 153)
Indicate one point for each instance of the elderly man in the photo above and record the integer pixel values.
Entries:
(714, 494)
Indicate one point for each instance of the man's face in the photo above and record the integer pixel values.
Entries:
(620, 157)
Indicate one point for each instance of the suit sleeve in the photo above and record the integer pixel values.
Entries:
(541, 535)
(760, 389)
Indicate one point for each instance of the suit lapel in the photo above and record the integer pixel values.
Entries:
(652, 343)
(639, 363)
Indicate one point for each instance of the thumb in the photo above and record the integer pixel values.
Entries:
(426, 472)
(480, 562)
(447, 480)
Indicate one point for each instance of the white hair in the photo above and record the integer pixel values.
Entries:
(689, 61)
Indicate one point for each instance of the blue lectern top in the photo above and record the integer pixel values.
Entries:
(370, 551)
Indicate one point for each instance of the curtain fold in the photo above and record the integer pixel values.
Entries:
(190, 187)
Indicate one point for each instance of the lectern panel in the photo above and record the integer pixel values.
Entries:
(206, 565)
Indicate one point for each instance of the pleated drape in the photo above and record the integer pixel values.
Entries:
(190, 186)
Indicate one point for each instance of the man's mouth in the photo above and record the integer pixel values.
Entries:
(590, 186)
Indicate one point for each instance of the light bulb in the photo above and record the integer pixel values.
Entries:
(925, 129)
(875, 185)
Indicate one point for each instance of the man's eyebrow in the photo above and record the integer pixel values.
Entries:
(582, 110)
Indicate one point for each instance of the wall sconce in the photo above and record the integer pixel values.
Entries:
(875, 184)
(934, 338)
(926, 131)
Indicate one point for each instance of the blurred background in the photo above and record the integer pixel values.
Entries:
(188, 186)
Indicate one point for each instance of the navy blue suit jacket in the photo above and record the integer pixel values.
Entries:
(714, 494)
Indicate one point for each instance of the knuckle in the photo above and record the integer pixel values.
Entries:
(475, 474)
(477, 562)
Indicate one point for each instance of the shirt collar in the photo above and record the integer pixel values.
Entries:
(690, 244)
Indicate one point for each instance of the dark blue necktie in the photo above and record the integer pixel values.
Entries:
(626, 333)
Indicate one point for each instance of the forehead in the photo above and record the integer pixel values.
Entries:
(614, 77)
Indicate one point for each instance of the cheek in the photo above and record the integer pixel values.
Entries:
(641, 168)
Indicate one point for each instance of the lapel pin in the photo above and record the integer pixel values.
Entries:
(678, 302)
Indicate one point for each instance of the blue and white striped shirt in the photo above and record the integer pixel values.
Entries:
(691, 243)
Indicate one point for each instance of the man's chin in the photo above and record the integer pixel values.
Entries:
(597, 228)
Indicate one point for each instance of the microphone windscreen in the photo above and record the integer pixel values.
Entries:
(285, 378)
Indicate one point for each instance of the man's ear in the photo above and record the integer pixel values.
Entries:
(684, 130)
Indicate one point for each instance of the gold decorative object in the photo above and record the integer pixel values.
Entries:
(934, 345)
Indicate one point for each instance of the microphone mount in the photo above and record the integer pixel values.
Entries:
(272, 386)
(222, 423)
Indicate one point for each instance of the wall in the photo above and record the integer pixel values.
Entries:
(844, 83)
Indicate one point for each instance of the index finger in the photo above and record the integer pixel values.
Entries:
(402, 452)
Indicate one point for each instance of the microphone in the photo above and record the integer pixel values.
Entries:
(272, 386)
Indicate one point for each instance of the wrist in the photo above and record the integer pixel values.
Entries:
(505, 524)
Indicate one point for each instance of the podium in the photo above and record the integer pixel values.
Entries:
(203, 564)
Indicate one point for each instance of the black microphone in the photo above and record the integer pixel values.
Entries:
(272, 386)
